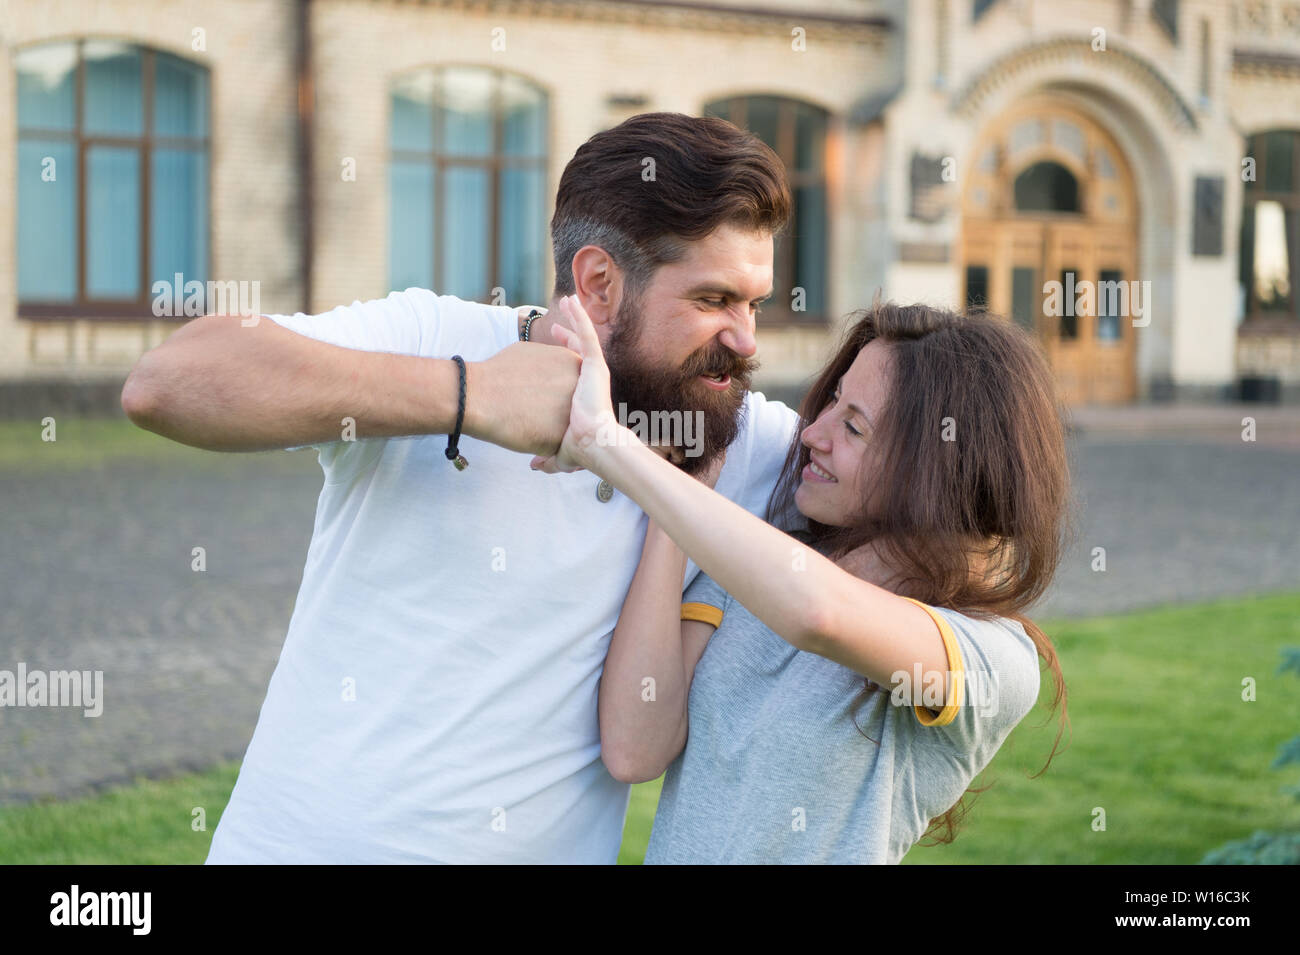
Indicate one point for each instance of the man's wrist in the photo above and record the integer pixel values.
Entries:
(478, 376)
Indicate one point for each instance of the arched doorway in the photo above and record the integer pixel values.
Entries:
(1050, 199)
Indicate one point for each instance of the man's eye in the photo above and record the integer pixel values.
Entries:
(715, 302)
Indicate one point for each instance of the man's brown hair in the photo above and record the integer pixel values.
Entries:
(656, 181)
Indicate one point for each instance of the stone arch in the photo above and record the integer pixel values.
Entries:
(1072, 56)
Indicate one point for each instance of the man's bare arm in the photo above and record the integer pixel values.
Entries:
(224, 386)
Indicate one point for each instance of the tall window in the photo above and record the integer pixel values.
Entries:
(797, 132)
(112, 177)
(1270, 228)
(467, 184)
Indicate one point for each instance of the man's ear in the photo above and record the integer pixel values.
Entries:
(598, 283)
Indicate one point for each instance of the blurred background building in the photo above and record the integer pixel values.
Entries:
(955, 152)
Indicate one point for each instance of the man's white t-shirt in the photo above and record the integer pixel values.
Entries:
(435, 698)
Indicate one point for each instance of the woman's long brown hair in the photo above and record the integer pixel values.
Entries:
(970, 506)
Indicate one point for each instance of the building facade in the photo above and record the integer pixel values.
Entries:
(1120, 176)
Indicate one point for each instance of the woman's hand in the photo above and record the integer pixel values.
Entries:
(591, 417)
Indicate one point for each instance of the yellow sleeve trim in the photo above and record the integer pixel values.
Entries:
(956, 672)
(703, 613)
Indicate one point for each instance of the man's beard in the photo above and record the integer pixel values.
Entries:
(637, 385)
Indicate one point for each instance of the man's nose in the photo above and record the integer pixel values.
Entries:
(739, 334)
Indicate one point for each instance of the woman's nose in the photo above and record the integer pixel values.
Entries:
(812, 435)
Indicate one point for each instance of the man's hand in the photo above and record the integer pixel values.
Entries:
(521, 396)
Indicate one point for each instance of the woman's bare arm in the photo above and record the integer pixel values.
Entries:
(648, 670)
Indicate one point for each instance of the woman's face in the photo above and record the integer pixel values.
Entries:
(845, 458)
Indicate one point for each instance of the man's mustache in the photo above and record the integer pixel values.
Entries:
(719, 361)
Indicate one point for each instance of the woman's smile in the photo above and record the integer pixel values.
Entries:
(818, 475)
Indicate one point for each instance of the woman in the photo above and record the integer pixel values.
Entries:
(860, 674)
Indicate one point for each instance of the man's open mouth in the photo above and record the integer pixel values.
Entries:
(720, 381)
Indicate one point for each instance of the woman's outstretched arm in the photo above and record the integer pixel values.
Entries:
(805, 598)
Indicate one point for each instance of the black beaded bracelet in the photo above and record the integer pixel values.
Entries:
(453, 455)
(533, 316)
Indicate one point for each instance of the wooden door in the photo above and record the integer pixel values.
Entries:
(1068, 260)
(1112, 358)
(1065, 275)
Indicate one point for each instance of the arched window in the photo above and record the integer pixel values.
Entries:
(112, 177)
(1047, 187)
(467, 184)
(797, 133)
(1270, 228)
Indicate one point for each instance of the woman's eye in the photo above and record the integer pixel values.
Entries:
(852, 430)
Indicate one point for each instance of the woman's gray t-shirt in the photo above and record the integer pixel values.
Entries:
(774, 769)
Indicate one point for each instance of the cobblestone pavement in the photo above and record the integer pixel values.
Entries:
(96, 572)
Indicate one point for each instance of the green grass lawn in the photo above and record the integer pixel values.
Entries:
(1160, 739)
(82, 444)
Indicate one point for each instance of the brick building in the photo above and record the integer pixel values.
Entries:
(947, 151)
